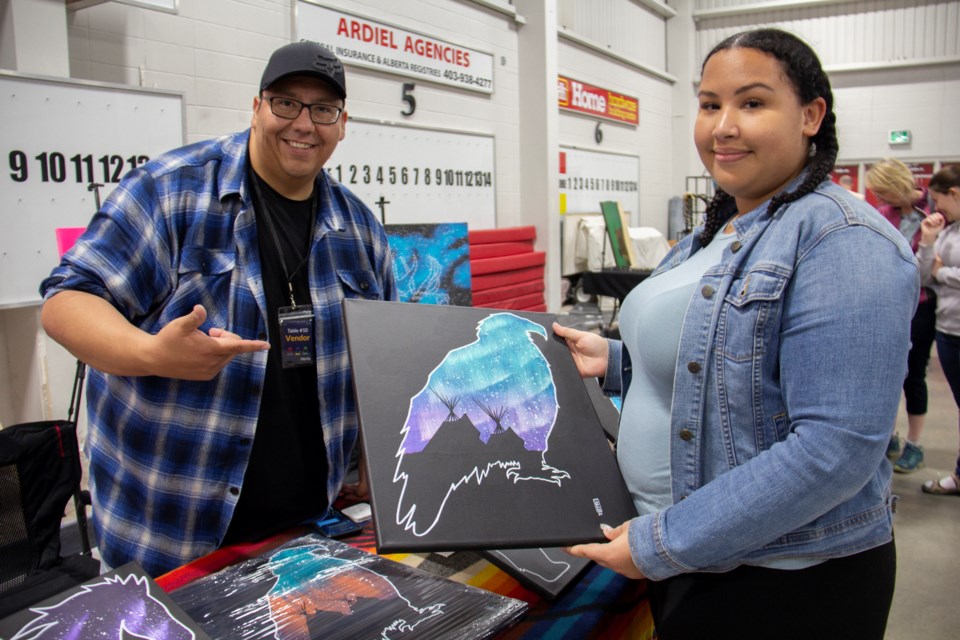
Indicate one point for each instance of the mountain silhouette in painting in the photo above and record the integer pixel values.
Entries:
(488, 408)
(460, 437)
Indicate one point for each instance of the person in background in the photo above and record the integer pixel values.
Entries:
(905, 205)
(846, 181)
(206, 296)
(760, 368)
(939, 257)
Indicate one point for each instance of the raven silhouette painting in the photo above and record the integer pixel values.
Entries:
(478, 432)
(496, 396)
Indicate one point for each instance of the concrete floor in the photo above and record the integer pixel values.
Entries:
(927, 528)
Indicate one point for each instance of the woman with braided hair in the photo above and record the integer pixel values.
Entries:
(760, 368)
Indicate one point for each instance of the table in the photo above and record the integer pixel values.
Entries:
(615, 283)
(602, 604)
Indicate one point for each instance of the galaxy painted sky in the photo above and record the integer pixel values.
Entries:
(501, 380)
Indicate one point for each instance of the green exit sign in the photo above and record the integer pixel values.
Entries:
(899, 137)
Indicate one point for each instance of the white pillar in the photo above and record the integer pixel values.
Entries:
(682, 64)
(33, 40)
(539, 135)
(34, 37)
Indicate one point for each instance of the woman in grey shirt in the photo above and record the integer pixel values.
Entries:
(939, 258)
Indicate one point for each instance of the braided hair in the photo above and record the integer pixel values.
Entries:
(802, 67)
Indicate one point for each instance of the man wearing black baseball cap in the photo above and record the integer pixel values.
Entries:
(305, 58)
(206, 297)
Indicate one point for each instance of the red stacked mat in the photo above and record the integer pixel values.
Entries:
(506, 273)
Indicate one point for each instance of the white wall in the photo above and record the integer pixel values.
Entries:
(650, 140)
(921, 100)
(214, 52)
(376, 95)
(34, 34)
(893, 65)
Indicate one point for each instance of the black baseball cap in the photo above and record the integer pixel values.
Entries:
(305, 58)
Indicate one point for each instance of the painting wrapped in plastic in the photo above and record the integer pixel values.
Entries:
(495, 442)
(314, 587)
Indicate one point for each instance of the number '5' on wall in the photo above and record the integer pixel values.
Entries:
(407, 97)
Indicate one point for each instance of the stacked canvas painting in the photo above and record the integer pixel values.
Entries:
(123, 603)
(313, 587)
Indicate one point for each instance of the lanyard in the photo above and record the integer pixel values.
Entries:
(265, 210)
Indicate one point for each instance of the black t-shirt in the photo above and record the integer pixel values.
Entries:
(286, 479)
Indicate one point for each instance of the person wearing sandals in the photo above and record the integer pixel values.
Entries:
(939, 258)
(905, 204)
(760, 368)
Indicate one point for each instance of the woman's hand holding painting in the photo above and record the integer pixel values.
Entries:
(589, 350)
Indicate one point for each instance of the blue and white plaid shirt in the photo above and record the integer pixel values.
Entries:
(167, 456)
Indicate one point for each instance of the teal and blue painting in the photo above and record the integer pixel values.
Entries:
(431, 263)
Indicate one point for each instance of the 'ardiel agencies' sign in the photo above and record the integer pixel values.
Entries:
(574, 95)
(377, 45)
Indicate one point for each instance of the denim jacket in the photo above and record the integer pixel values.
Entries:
(792, 356)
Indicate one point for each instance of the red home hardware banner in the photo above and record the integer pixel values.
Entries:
(574, 95)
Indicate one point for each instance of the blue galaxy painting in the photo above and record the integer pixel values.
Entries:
(492, 401)
(431, 263)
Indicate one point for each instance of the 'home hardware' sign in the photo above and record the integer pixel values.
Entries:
(574, 95)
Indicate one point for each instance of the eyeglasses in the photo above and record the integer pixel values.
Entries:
(289, 109)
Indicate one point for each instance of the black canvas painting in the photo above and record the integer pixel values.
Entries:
(315, 587)
(549, 572)
(124, 603)
(478, 432)
(607, 407)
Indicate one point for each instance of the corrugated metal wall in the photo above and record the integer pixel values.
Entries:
(627, 28)
(845, 34)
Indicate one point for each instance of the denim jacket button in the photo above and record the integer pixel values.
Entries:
(686, 435)
(693, 367)
(735, 246)
(707, 291)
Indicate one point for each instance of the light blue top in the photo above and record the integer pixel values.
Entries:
(650, 321)
(791, 358)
